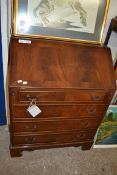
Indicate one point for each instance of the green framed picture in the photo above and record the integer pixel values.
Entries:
(107, 133)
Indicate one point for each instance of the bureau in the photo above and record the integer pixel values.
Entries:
(71, 83)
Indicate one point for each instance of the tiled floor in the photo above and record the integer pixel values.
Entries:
(63, 161)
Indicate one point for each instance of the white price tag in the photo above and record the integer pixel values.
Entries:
(34, 110)
(24, 41)
(25, 82)
(19, 81)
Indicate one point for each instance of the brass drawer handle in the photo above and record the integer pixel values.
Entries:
(30, 98)
(34, 126)
(30, 140)
(91, 110)
(79, 136)
(85, 124)
(110, 95)
(97, 98)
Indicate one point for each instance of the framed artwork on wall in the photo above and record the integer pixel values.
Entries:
(107, 133)
(76, 20)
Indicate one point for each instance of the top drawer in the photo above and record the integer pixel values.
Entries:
(65, 96)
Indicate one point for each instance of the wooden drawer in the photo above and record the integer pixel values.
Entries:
(55, 125)
(65, 111)
(65, 137)
(65, 95)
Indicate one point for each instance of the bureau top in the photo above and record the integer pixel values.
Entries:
(54, 64)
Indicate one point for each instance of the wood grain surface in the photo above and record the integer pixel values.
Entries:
(71, 83)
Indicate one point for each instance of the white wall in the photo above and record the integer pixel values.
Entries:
(5, 29)
(4, 36)
(6, 18)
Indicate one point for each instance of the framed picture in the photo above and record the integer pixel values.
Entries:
(77, 20)
(107, 133)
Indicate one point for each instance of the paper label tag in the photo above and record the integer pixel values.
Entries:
(25, 82)
(24, 41)
(19, 81)
(34, 110)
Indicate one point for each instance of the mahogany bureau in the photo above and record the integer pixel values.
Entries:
(71, 83)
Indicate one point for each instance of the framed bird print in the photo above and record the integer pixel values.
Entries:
(77, 20)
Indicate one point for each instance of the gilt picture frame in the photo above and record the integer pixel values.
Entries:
(71, 20)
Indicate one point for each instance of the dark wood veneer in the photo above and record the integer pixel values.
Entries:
(72, 84)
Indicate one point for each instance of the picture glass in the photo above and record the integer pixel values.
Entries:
(63, 14)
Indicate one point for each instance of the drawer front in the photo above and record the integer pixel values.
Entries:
(69, 137)
(65, 111)
(55, 125)
(58, 96)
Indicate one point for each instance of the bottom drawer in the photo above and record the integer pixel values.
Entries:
(67, 137)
